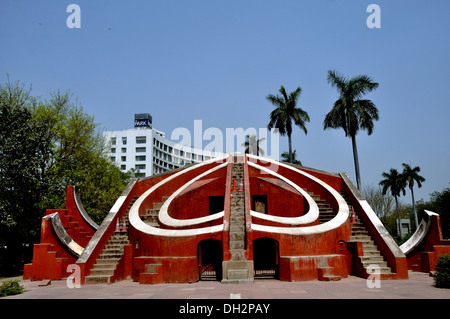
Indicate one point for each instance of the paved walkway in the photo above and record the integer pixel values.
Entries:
(418, 286)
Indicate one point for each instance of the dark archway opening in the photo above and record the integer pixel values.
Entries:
(210, 259)
(266, 258)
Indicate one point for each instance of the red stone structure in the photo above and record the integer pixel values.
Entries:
(234, 219)
(426, 245)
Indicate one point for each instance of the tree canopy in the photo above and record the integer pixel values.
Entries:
(286, 112)
(44, 147)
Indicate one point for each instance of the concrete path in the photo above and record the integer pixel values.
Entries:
(418, 286)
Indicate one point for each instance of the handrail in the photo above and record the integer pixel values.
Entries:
(309, 217)
(107, 223)
(81, 210)
(340, 218)
(139, 225)
(388, 247)
(63, 236)
(164, 217)
(419, 234)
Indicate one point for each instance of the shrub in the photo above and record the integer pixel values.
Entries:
(442, 276)
(11, 287)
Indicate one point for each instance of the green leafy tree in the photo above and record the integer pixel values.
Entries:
(78, 158)
(395, 182)
(285, 113)
(350, 112)
(411, 176)
(44, 147)
(285, 157)
(252, 145)
(23, 179)
(440, 204)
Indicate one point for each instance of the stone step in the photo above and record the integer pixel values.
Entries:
(152, 212)
(236, 228)
(153, 224)
(238, 219)
(102, 271)
(372, 258)
(237, 244)
(237, 254)
(98, 279)
(374, 262)
(109, 256)
(237, 236)
(109, 265)
(146, 218)
(330, 213)
(115, 245)
(361, 231)
(118, 237)
(363, 238)
(107, 261)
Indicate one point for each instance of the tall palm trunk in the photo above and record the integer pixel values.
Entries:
(414, 208)
(355, 158)
(290, 148)
(399, 218)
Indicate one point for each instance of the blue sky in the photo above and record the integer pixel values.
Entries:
(217, 61)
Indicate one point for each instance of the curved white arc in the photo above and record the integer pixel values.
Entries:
(340, 218)
(170, 221)
(309, 217)
(138, 224)
(418, 235)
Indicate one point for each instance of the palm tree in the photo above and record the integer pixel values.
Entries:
(350, 112)
(285, 113)
(285, 157)
(396, 183)
(411, 175)
(252, 145)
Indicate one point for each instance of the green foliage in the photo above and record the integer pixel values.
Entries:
(350, 112)
(285, 157)
(286, 112)
(442, 276)
(44, 147)
(440, 204)
(11, 287)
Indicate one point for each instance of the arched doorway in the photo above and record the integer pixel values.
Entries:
(210, 259)
(266, 258)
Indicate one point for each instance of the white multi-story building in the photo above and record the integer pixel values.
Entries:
(147, 151)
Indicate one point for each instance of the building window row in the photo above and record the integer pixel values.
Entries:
(141, 139)
(124, 150)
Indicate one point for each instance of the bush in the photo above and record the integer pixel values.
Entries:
(442, 276)
(11, 287)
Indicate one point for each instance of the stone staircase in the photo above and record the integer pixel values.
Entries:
(238, 269)
(74, 230)
(151, 215)
(372, 255)
(108, 260)
(326, 213)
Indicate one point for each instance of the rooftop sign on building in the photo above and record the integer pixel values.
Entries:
(143, 120)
